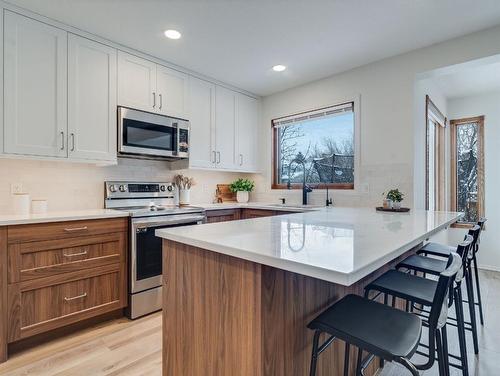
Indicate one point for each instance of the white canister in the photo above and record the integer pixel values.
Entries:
(184, 197)
(21, 203)
(242, 196)
(39, 206)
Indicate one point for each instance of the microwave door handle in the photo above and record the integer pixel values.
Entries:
(177, 136)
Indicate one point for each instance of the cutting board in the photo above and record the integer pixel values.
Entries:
(224, 194)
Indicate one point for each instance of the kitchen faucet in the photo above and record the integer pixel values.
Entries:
(305, 188)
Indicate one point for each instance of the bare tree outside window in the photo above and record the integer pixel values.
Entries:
(325, 144)
(468, 162)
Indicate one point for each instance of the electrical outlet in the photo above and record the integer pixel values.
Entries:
(16, 188)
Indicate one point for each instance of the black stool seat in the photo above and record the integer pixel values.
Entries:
(406, 286)
(423, 264)
(437, 249)
(374, 327)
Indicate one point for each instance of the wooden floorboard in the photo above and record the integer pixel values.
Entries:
(133, 348)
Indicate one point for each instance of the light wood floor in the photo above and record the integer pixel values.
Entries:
(133, 348)
(118, 347)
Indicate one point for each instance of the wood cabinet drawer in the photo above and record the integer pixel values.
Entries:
(45, 258)
(223, 215)
(257, 213)
(65, 230)
(38, 308)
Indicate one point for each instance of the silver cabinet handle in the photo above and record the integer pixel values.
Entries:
(214, 154)
(84, 295)
(62, 140)
(241, 159)
(72, 229)
(72, 141)
(218, 157)
(154, 99)
(161, 101)
(75, 254)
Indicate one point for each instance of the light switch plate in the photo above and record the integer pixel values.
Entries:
(16, 188)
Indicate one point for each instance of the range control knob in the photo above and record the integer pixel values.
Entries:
(162, 188)
(112, 188)
(122, 188)
(170, 188)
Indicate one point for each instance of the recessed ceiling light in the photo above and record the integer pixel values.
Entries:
(279, 68)
(172, 34)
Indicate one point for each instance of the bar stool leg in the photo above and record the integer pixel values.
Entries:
(358, 362)
(346, 359)
(446, 357)
(472, 311)
(314, 356)
(478, 289)
(440, 353)
(461, 332)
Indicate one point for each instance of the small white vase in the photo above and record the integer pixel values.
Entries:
(396, 205)
(242, 197)
(184, 197)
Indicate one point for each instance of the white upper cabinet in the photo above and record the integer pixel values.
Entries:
(225, 131)
(137, 83)
(172, 90)
(202, 120)
(91, 100)
(248, 111)
(145, 85)
(35, 87)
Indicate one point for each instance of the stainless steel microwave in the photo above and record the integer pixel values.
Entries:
(146, 135)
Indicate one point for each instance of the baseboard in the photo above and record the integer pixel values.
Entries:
(489, 268)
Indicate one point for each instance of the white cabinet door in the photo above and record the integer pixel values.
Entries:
(137, 82)
(202, 120)
(35, 87)
(247, 157)
(91, 100)
(172, 88)
(225, 125)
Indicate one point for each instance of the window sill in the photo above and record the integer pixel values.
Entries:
(346, 186)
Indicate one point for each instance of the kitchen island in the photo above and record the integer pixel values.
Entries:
(237, 296)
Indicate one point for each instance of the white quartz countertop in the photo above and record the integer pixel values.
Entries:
(59, 216)
(258, 205)
(340, 245)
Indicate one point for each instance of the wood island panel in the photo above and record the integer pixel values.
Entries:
(3, 294)
(222, 314)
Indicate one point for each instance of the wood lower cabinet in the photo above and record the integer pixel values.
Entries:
(53, 278)
(223, 215)
(258, 213)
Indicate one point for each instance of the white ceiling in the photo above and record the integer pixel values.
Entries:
(470, 81)
(238, 41)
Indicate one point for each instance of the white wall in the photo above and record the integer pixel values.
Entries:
(390, 128)
(489, 106)
(69, 185)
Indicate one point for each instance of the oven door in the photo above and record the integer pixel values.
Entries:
(144, 133)
(146, 248)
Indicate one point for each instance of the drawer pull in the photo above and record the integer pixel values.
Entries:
(76, 229)
(75, 254)
(84, 295)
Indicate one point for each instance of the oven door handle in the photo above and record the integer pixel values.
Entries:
(178, 220)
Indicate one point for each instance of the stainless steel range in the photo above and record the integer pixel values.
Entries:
(151, 206)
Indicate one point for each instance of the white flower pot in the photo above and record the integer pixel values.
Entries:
(397, 205)
(184, 197)
(242, 196)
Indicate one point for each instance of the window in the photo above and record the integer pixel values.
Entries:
(321, 141)
(467, 168)
(435, 157)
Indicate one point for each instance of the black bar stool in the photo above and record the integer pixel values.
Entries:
(434, 266)
(381, 330)
(442, 250)
(421, 291)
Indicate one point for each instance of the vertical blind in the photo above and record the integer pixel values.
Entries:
(314, 114)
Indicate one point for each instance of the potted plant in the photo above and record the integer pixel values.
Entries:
(184, 184)
(396, 197)
(242, 187)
